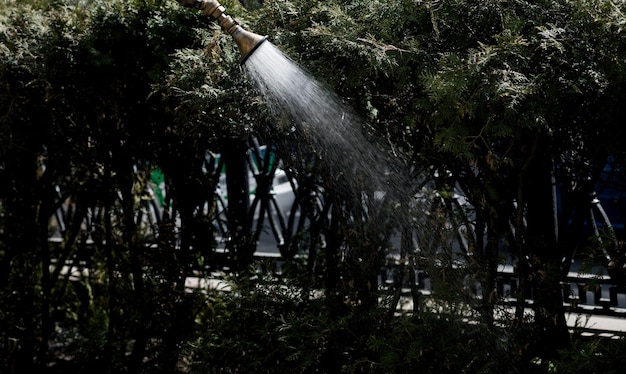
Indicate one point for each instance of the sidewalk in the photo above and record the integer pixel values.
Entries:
(592, 325)
(589, 324)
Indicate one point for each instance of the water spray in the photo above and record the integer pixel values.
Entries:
(246, 41)
(326, 126)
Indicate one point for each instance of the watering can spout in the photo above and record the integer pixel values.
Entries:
(246, 41)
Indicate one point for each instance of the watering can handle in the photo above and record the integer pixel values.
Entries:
(246, 41)
(215, 10)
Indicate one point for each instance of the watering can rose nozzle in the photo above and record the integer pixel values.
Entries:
(246, 41)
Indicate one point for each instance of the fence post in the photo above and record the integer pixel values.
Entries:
(241, 245)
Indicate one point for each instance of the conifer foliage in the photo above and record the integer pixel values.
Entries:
(516, 105)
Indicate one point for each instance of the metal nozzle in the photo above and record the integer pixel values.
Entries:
(246, 41)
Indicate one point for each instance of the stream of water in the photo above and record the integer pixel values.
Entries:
(323, 121)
